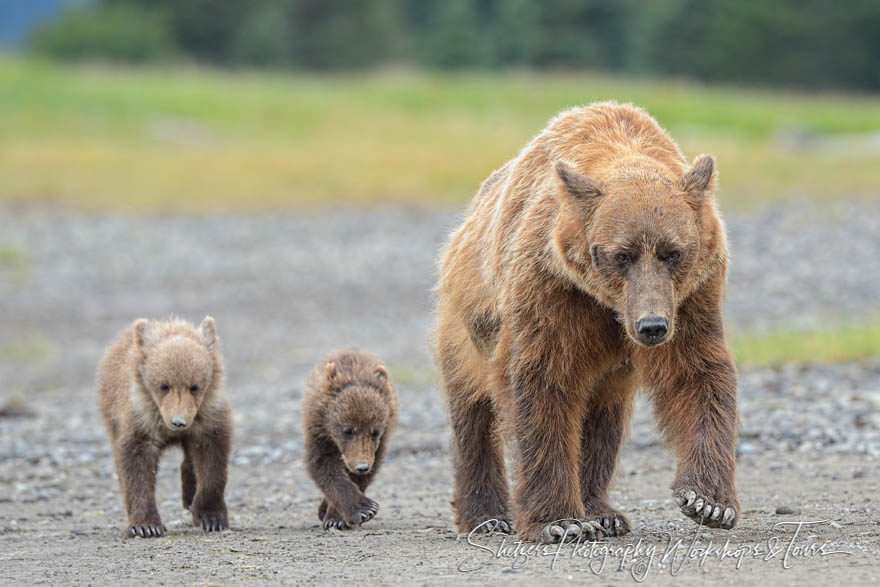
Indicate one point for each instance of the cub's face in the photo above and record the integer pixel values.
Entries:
(632, 242)
(177, 371)
(357, 420)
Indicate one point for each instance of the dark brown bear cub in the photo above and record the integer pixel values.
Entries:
(161, 383)
(349, 410)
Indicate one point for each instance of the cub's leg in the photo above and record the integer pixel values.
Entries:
(344, 505)
(480, 494)
(137, 460)
(187, 479)
(362, 481)
(604, 425)
(210, 458)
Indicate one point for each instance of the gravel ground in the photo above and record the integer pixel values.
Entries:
(286, 287)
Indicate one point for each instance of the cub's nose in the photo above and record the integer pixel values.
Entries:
(362, 467)
(178, 422)
(652, 329)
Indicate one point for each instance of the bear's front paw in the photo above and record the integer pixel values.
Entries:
(146, 530)
(360, 512)
(500, 525)
(613, 522)
(211, 520)
(333, 519)
(712, 513)
(563, 530)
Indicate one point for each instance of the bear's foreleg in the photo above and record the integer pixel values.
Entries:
(137, 460)
(344, 505)
(210, 458)
(480, 496)
(694, 391)
(602, 430)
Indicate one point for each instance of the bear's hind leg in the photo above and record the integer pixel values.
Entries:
(480, 495)
(603, 428)
(187, 480)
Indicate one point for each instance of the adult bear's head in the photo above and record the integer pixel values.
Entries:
(633, 239)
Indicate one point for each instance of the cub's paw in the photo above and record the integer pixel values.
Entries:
(211, 520)
(362, 511)
(613, 522)
(570, 530)
(493, 525)
(701, 509)
(333, 520)
(153, 530)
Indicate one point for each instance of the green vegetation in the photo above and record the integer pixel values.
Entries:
(816, 44)
(193, 138)
(836, 344)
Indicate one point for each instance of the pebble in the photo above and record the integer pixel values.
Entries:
(784, 510)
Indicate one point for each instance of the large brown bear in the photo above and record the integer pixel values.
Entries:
(591, 264)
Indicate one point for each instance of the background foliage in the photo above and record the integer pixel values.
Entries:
(802, 43)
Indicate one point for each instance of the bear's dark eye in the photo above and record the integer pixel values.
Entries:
(194, 387)
(164, 387)
(375, 434)
(671, 258)
(622, 260)
(347, 431)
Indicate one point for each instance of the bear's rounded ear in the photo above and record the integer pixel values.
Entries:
(698, 181)
(382, 374)
(579, 185)
(330, 373)
(144, 334)
(208, 332)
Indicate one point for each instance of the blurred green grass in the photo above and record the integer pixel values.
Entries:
(838, 343)
(191, 138)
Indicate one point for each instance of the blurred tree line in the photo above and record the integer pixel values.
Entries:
(804, 43)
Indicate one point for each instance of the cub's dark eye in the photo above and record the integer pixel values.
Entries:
(622, 259)
(672, 257)
(165, 387)
(194, 387)
(347, 431)
(374, 434)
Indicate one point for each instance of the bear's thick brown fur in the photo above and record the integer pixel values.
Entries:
(161, 383)
(349, 411)
(591, 264)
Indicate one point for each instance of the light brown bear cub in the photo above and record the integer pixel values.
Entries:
(161, 383)
(349, 411)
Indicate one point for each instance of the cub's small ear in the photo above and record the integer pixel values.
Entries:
(208, 332)
(330, 372)
(382, 374)
(698, 181)
(144, 334)
(578, 184)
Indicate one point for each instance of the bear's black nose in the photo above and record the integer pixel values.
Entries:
(178, 422)
(653, 328)
(362, 467)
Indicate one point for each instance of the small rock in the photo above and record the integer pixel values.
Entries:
(784, 510)
(509, 570)
(834, 525)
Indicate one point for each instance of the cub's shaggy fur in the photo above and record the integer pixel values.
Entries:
(161, 383)
(349, 411)
(591, 264)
